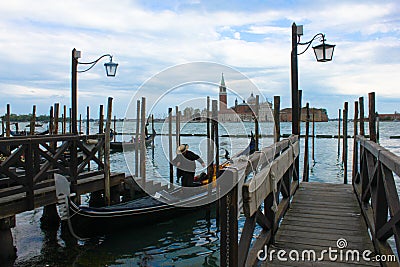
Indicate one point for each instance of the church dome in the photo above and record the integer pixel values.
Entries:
(251, 100)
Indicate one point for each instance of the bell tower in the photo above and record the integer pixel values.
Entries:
(222, 94)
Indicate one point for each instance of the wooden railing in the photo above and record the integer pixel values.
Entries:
(28, 163)
(375, 187)
(268, 178)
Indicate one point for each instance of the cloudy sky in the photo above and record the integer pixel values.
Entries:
(147, 37)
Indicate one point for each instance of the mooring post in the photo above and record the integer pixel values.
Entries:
(377, 128)
(101, 129)
(345, 146)
(171, 168)
(306, 154)
(51, 121)
(361, 105)
(8, 124)
(153, 133)
(107, 187)
(372, 116)
(277, 128)
(177, 127)
(87, 120)
(80, 123)
(339, 133)
(355, 147)
(56, 117)
(256, 125)
(143, 142)
(313, 134)
(115, 128)
(64, 125)
(136, 140)
(69, 120)
(214, 134)
(2, 126)
(8, 252)
(209, 144)
(33, 121)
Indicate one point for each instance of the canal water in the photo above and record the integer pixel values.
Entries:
(189, 240)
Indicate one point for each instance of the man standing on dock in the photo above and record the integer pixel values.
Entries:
(186, 165)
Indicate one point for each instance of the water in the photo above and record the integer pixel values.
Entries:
(189, 240)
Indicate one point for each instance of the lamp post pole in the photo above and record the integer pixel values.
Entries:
(74, 96)
(295, 83)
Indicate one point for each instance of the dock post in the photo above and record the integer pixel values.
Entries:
(8, 252)
(171, 168)
(209, 144)
(64, 125)
(136, 141)
(377, 128)
(33, 121)
(177, 127)
(56, 117)
(143, 142)
(87, 120)
(306, 154)
(51, 121)
(277, 128)
(355, 148)
(80, 123)
(101, 129)
(115, 128)
(361, 105)
(2, 126)
(372, 116)
(345, 146)
(339, 133)
(69, 121)
(107, 189)
(313, 135)
(8, 125)
(214, 134)
(256, 125)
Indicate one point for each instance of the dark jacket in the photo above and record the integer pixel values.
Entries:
(187, 161)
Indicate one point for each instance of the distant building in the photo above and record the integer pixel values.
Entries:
(389, 117)
(320, 114)
(241, 111)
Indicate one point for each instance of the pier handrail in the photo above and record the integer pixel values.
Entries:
(376, 192)
(268, 177)
(28, 163)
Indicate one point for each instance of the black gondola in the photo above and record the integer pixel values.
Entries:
(120, 146)
(89, 221)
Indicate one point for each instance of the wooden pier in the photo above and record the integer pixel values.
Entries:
(298, 217)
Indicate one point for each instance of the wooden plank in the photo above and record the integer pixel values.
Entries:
(258, 188)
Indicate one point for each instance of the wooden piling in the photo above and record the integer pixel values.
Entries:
(56, 117)
(339, 133)
(2, 127)
(306, 153)
(87, 120)
(256, 125)
(107, 188)
(355, 150)
(101, 121)
(277, 128)
(313, 135)
(372, 116)
(115, 127)
(209, 143)
(33, 121)
(8, 124)
(8, 252)
(64, 124)
(377, 128)
(299, 111)
(171, 168)
(136, 141)
(80, 123)
(345, 146)
(69, 121)
(177, 127)
(214, 134)
(361, 105)
(51, 122)
(143, 141)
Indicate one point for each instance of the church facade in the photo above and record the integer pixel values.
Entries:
(243, 111)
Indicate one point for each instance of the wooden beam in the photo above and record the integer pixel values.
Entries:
(107, 169)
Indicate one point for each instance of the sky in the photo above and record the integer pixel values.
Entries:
(148, 37)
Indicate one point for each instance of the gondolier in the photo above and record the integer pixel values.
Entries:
(186, 165)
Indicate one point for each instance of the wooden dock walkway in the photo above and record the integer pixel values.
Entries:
(320, 215)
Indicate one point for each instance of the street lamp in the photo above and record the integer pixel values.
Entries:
(323, 53)
(111, 70)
